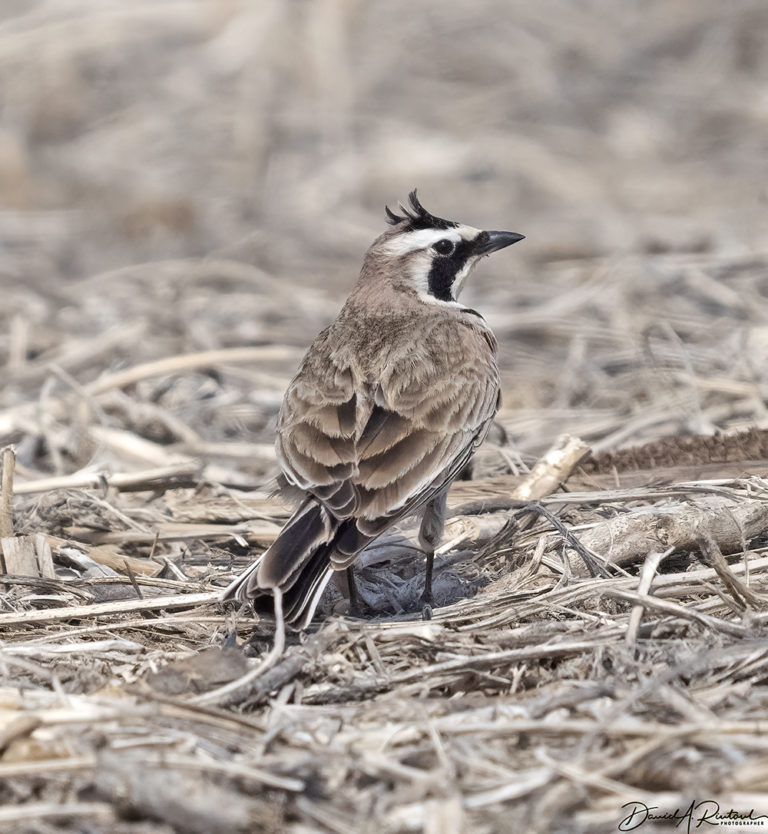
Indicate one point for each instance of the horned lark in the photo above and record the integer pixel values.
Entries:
(387, 407)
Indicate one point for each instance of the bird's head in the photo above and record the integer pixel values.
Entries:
(433, 256)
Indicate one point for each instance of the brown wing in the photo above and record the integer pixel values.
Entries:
(374, 454)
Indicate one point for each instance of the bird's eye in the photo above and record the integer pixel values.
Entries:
(444, 247)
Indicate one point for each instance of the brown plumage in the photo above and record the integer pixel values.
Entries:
(388, 405)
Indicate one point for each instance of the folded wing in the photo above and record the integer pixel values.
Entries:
(365, 456)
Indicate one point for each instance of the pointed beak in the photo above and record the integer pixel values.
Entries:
(489, 242)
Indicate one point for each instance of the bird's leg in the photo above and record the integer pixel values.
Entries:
(346, 583)
(354, 595)
(426, 596)
(430, 533)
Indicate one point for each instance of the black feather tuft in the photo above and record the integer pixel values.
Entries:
(417, 216)
(392, 218)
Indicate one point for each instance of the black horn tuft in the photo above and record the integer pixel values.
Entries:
(417, 217)
(392, 218)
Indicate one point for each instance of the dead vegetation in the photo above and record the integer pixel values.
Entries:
(187, 188)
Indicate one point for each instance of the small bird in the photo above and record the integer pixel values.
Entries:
(387, 407)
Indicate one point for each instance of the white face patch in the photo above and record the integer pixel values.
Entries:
(420, 239)
(421, 283)
(420, 268)
(462, 274)
(419, 246)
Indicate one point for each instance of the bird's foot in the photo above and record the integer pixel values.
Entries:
(427, 603)
(358, 609)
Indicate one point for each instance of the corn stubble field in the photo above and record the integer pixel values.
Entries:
(187, 189)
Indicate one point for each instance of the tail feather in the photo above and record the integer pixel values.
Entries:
(301, 599)
(298, 562)
(310, 527)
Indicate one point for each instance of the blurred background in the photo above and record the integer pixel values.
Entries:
(183, 175)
